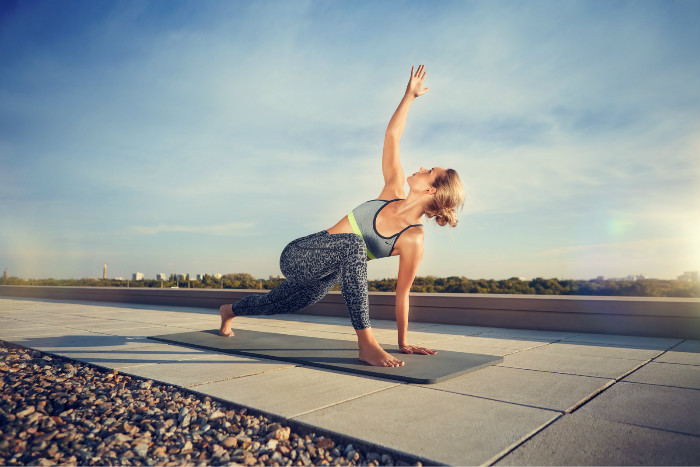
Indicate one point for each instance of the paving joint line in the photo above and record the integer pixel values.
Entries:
(521, 404)
(556, 372)
(272, 370)
(595, 394)
(301, 414)
(520, 442)
(661, 385)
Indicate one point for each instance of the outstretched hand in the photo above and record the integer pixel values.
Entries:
(415, 84)
(411, 349)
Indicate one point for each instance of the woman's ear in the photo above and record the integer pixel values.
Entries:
(431, 190)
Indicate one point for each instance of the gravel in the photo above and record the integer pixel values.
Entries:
(59, 412)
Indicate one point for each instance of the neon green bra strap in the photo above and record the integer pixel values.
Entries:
(356, 229)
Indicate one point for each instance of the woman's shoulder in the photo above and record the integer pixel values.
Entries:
(410, 241)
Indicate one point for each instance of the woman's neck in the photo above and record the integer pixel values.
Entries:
(412, 208)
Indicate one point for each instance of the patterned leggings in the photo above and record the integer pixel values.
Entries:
(312, 265)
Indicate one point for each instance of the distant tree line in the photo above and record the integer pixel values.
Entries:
(540, 286)
(426, 284)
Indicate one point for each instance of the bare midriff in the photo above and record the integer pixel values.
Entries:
(343, 226)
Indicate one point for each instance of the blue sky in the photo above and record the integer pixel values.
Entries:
(201, 137)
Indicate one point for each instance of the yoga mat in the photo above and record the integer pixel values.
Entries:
(339, 355)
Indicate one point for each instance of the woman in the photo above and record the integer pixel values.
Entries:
(387, 226)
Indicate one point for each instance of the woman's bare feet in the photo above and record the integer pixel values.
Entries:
(371, 352)
(375, 355)
(226, 312)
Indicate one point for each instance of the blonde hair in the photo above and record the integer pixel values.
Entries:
(447, 199)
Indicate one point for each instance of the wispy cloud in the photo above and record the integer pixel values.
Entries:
(229, 229)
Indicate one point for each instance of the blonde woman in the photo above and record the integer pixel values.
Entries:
(389, 225)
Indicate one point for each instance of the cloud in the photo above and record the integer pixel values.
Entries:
(231, 228)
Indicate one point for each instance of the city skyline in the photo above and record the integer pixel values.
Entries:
(691, 276)
(189, 136)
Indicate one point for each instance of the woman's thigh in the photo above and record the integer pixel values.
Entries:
(317, 256)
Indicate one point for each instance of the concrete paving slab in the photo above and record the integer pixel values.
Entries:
(16, 325)
(691, 346)
(652, 406)
(565, 348)
(93, 325)
(504, 343)
(683, 358)
(295, 391)
(457, 344)
(34, 339)
(583, 365)
(441, 426)
(541, 389)
(667, 374)
(687, 352)
(454, 330)
(133, 356)
(550, 336)
(75, 340)
(661, 343)
(205, 367)
(579, 440)
(26, 335)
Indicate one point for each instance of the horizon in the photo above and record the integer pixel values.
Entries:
(188, 136)
(193, 277)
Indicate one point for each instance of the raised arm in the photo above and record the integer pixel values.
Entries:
(391, 165)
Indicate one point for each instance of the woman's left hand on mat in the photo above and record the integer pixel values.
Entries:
(415, 349)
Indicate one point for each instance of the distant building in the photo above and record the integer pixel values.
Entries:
(119, 279)
(161, 277)
(691, 276)
(200, 277)
(104, 271)
(630, 278)
(137, 276)
(217, 276)
(182, 277)
(276, 277)
(6, 274)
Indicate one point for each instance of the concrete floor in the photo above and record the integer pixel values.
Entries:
(558, 398)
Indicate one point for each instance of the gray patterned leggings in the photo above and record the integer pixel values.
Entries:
(312, 265)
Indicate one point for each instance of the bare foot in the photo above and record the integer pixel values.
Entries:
(226, 312)
(375, 355)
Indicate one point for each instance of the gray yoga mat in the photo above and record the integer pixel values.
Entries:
(333, 354)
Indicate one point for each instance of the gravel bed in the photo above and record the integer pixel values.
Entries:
(58, 412)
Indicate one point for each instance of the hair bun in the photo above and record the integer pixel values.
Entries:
(446, 216)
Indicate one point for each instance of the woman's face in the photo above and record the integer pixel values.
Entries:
(424, 178)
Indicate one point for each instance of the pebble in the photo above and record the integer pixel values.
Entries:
(58, 412)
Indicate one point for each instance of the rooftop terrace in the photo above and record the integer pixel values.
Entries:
(560, 397)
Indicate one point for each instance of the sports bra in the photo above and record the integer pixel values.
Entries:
(363, 220)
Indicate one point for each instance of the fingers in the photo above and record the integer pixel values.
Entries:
(424, 351)
(417, 73)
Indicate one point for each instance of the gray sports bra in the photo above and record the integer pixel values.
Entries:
(364, 223)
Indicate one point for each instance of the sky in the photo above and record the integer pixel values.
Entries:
(202, 136)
